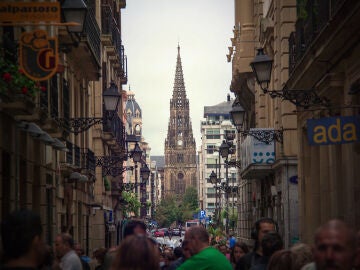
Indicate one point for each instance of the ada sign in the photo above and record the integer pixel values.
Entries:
(333, 130)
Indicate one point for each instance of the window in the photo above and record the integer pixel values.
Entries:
(210, 148)
(213, 133)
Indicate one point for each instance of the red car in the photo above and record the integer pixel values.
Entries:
(159, 233)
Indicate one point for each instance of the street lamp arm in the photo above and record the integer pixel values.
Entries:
(265, 135)
(78, 125)
(116, 171)
(130, 186)
(109, 161)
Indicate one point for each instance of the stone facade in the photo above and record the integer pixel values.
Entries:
(318, 180)
(180, 148)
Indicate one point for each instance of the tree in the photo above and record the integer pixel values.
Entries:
(176, 208)
(190, 198)
(131, 202)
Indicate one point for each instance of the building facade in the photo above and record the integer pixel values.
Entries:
(315, 76)
(180, 147)
(214, 197)
(61, 152)
(265, 187)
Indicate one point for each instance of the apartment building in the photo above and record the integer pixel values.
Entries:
(215, 198)
(61, 150)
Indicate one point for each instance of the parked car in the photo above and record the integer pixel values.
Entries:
(165, 230)
(176, 232)
(158, 233)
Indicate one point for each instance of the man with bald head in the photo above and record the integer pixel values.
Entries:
(203, 256)
(334, 246)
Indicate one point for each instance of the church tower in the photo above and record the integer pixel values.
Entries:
(180, 146)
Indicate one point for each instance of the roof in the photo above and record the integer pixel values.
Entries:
(222, 108)
(132, 105)
(160, 161)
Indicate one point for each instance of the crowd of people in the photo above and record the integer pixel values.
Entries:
(336, 246)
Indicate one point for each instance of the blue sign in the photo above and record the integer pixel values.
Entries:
(333, 130)
(110, 216)
(202, 214)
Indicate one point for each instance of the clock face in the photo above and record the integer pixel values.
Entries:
(179, 142)
(137, 129)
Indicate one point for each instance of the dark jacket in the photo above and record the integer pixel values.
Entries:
(248, 260)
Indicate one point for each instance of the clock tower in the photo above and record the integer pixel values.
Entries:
(180, 146)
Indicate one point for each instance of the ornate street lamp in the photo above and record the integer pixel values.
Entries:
(213, 178)
(74, 11)
(237, 116)
(136, 153)
(224, 149)
(262, 67)
(144, 173)
(111, 98)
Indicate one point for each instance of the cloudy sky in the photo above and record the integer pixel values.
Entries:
(151, 31)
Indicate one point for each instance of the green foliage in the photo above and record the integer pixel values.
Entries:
(106, 184)
(301, 9)
(132, 205)
(175, 208)
(13, 80)
(191, 198)
(216, 234)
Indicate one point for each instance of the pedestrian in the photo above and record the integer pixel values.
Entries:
(22, 243)
(99, 255)
(239, 250)
(137, 252)
(261, 227)
(294, 258)
(49, 259)
(64, 249)
(134, 226)
(270, 243)
(178, 258)
(204, 256)
(222, 248)
(84, 259)
(232, 241)
(302, 255)
(281, 260)
(334, 246)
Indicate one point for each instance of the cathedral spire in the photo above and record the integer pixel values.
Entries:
(179, 93)
(180, 147)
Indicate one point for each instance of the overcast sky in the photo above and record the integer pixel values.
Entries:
(151, 31)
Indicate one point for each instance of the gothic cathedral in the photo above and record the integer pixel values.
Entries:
(180, 146)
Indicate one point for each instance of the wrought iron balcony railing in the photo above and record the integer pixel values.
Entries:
(69, 155)
(92, 31)
(312, 18)
(110, 26)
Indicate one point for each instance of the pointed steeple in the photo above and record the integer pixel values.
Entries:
(179, 93)
(180, 147)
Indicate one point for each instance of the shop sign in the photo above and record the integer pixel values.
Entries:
(38, 55)
(15, 12)
(254, 151)
(333, 130)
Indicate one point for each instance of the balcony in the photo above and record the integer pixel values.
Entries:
(111, 39)
(114, 134)
(86, 54)
(88, 161)
(314, 19)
